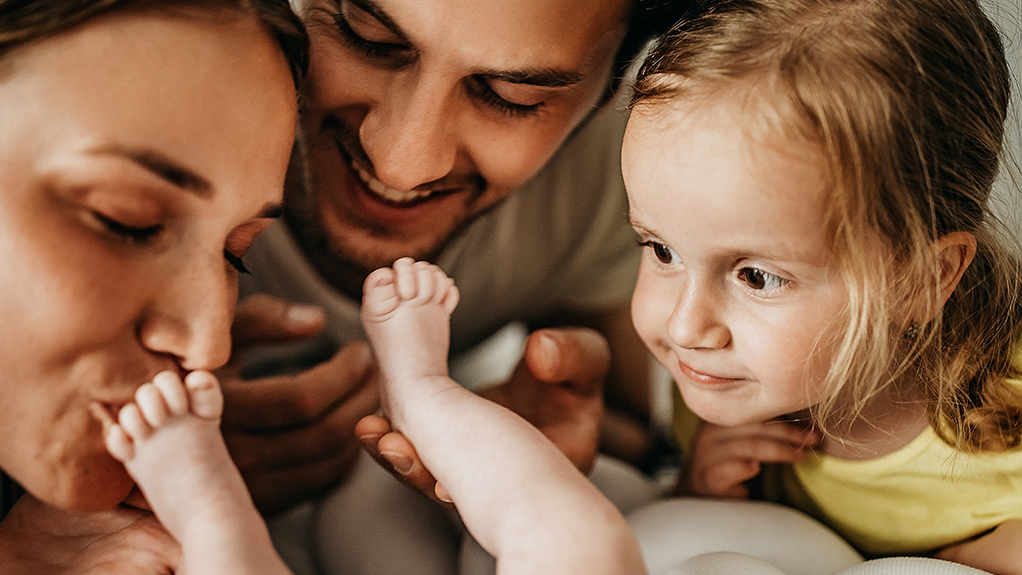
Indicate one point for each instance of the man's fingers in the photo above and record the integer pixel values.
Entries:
(395, 453)
(280, 402)
(264, 319)
(575, 355)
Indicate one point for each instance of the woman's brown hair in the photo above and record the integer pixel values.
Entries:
(23, 21)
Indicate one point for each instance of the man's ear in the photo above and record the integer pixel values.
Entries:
(957, 249)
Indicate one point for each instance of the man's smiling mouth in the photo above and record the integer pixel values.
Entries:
(390, 194)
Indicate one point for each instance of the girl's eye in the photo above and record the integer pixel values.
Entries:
(758, 279)
(236, 263)
(133, 234)
(480, 89)
(663, 254)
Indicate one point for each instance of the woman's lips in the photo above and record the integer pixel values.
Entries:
(704, 378)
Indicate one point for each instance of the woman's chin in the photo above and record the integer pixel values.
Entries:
(100, 491)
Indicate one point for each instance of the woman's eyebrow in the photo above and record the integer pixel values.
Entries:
(163, 167)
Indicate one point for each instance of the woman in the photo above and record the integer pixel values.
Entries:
(143, 145)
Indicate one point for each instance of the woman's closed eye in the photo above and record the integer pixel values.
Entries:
(236, 263)
(127, 232)
(760, 280)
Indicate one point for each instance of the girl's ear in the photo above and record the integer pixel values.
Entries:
(956, 252)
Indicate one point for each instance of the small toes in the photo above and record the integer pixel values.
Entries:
(406, 278)
(206, 398)
(151, 405)
(133, 423)
(119, 444)
(172, 389)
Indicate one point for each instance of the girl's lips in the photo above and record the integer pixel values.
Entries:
(704, 378)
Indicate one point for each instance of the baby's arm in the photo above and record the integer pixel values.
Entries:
(999, 551)
(518, 495)
(722, 458)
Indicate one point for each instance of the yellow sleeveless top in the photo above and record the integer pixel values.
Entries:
(924, 496)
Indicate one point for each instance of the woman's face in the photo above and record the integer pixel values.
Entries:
(139, 157)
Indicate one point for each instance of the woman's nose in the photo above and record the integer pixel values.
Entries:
(409, 133)
(696, 322)
(191, 314)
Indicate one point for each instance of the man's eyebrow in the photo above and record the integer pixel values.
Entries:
(546, 77)
(374, 10)
(163, 167)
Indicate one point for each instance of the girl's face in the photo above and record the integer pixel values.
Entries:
(139, 157)
(738, 294)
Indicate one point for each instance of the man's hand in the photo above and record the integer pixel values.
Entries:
(724, 458)
(557, 387)
(293, 437)
(38, 539)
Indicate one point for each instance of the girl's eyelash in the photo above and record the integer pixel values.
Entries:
(660, 251)
(236, 263)
(481, 90)
(133, 234)
(751, 275)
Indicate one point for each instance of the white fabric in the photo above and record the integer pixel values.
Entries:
(674, 530)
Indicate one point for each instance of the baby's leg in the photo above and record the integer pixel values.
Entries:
(169, 440)
(406, 314)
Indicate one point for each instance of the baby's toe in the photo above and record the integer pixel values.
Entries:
(151, 405)
(133, 423)
(119, 444)
(207, 400)
(170, 386)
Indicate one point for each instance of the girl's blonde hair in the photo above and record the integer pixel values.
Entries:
(906, 100)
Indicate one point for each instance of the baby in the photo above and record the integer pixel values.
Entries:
(518, 495)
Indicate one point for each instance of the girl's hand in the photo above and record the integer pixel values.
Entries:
(724, 458)
(999, 551)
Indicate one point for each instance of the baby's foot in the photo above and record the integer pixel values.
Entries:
(169, 440)
(406, 314)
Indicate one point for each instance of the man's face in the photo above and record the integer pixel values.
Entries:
(420, 114)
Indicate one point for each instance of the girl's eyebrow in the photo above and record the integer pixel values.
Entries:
(637, 223)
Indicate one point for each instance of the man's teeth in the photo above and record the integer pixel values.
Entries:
(387, 192)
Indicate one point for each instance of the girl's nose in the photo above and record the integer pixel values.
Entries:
(696, 321)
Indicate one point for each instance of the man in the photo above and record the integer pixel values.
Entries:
(425, 130)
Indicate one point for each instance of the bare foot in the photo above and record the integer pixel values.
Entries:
(169, 440)
(406, 313)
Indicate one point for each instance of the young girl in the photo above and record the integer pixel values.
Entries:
(822, 275)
